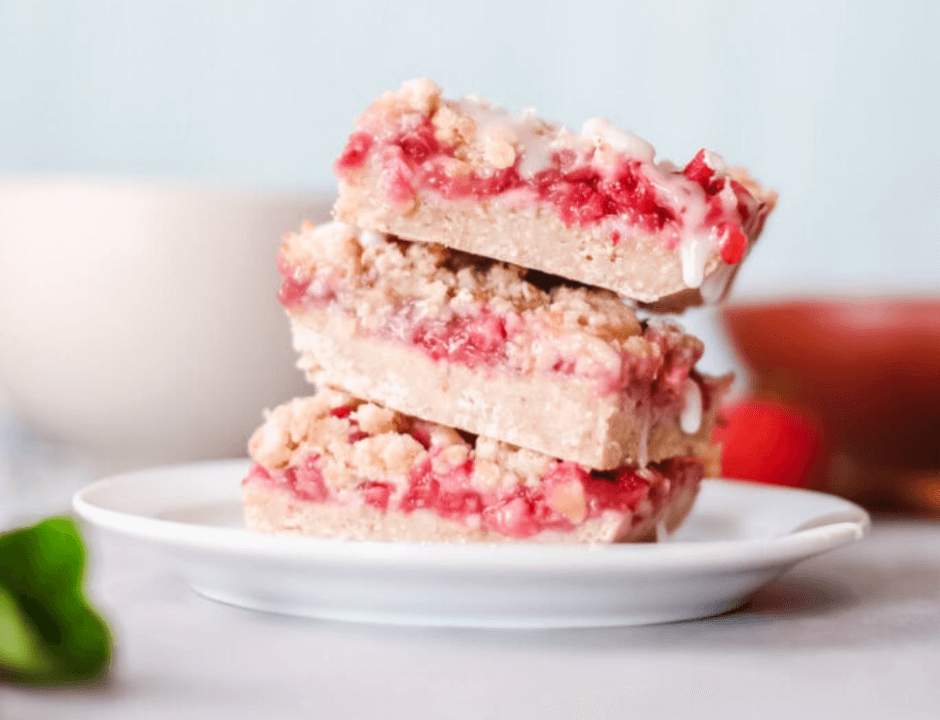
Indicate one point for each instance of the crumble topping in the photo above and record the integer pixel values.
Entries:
(414, 96)
(503, 465)
(388, 455)
(375, 420)
(357, 440)
(450, 457)
(317, 449)
(289, 427)
(442, 436)
(451, 128)
(386, 272)
(478, 312)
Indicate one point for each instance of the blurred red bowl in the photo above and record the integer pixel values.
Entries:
(869, 369)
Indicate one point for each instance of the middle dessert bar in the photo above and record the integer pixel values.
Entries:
(492, 349)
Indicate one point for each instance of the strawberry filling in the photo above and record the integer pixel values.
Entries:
(661, 377)
(481, 340)
(471, 340)
(304, 480)
(520, 511)
(581, 192)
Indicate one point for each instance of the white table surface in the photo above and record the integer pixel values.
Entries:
(855, 633)
(852, 634)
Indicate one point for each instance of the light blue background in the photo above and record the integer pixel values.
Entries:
(836, 104)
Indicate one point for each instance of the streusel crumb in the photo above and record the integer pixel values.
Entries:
(388, 286)
(375, 420)
(452, 128)
(420, 96)
(297, 424)
(355, 441)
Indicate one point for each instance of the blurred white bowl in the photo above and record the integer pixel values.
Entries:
(140, 322)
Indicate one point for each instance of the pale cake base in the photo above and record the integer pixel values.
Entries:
(276, 511)
(638, 267)
(559, 416)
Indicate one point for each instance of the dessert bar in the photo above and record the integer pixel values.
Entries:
(333, 466)
(492, 349)
(594, 206)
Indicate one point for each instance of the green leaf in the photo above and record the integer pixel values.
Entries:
(20, 647)
(48, 631)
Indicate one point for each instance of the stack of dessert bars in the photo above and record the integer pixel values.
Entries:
(469, 321)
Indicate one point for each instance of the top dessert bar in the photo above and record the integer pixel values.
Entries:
(593, 207)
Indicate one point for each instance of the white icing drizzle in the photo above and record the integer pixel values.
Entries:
(536, 140)
(694, 250)
(716, 284)
(691, 418)
(687, 199)
(729, 199)
(484, 114)
(696, 243)
(715, 161)
(601, 131)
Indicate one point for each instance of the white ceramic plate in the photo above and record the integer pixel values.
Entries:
(738, 537)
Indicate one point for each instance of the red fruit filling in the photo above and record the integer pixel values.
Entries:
(732, 242)
(259, 475)
(413, 159)
(700, 172)
(298, 289)
(521, 511)
(306, 481)
(480, 340)
(450, 496)
(584, 196)
(660, 377)
(293, 288)
(355, 153)
(376, 493)
(471, 340)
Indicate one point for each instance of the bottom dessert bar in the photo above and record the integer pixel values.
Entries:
(334, 466)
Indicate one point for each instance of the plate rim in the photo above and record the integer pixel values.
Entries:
(850, 524)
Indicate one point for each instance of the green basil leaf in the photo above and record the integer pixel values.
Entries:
(48, 631)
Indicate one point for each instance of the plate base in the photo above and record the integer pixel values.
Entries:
(738, 537)
(466, 620)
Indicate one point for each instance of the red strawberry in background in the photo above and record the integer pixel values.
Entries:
(768, 442)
